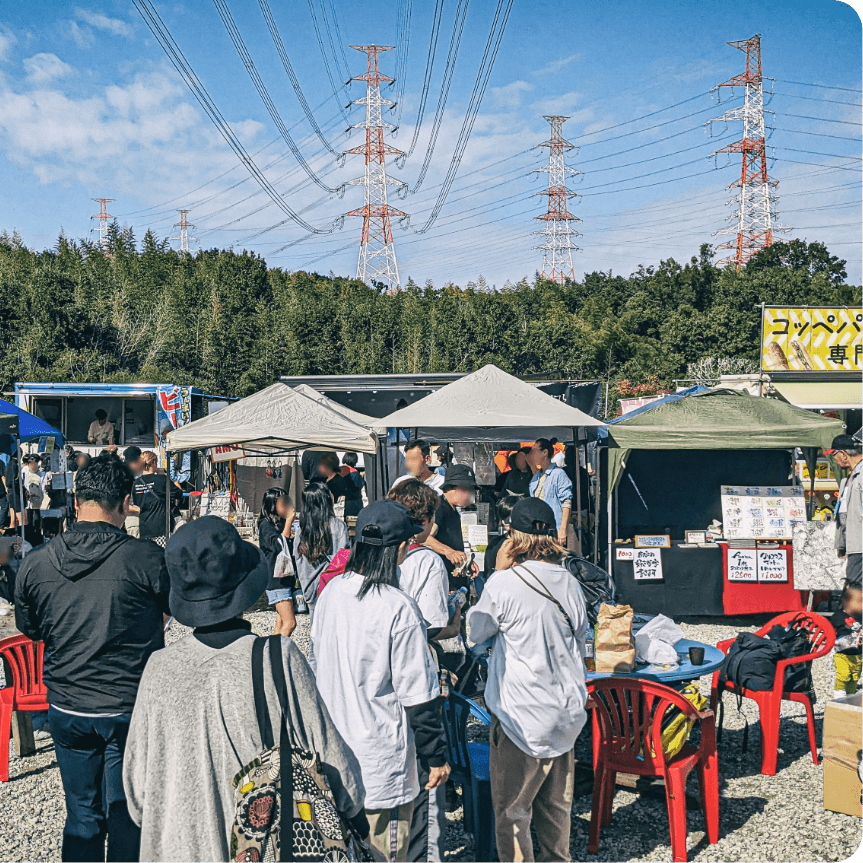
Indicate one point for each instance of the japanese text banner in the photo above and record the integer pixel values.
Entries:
(812, 339)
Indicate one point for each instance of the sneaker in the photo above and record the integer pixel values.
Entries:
(41, 734)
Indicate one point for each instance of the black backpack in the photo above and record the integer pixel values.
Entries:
(793, 640)
(751, 664)
(596, 584)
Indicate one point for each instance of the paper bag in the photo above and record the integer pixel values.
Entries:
(615, 646)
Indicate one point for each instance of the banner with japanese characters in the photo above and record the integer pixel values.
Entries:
(174, 409)
(811, 339)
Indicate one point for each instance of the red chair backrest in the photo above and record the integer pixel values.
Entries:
(818, 629)
(630, 712)
(24, 658)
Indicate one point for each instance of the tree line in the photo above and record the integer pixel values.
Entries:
(225, 321)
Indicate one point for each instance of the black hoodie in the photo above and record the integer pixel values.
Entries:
(95, 596)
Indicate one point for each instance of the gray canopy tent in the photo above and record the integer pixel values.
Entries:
(275, 420)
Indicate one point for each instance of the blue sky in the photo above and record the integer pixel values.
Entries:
(89, 106)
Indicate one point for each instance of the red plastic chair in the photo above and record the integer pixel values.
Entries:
(25, 692)
(822, 637)
(627, 723)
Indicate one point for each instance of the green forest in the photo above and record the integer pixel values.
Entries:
(226, 322)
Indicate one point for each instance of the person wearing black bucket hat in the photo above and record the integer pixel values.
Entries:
(446, 537)
(195, 726)
(376, 675)
(536, 691)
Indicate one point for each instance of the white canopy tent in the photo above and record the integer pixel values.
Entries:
(490, 406)
(354, 416)
(276, 419)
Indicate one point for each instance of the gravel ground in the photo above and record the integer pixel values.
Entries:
(771, 818)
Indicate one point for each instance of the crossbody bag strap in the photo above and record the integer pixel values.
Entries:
(542, 590)
(286, 761)
(262, 713)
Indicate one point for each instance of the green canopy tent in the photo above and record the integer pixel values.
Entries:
(665, 465)
(717, 419)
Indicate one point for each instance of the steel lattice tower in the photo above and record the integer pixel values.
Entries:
(377, 257)
(184, 224)
(557, 247)
(754, 223)
(103, 217)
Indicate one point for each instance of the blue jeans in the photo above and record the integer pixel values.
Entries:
(89, 754)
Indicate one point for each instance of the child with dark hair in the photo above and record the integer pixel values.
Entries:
(275, 525)
(353, 483)
(848, 653)
(329, 469)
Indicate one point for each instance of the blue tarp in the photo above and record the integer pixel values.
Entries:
(674, 397)
(30, 427)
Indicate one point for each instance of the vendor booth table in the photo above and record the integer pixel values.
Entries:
(683, 672)
(666, 466)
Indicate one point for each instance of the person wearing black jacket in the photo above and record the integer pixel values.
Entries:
(96, 597)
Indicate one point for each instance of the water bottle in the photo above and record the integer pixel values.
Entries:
(300, 606)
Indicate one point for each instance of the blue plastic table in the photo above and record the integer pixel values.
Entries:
(685, 670)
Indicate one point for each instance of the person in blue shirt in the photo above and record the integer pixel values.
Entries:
(551, 484)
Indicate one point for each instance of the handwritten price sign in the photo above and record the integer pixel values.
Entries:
(773, 565)
(647, 564)
(742, 564)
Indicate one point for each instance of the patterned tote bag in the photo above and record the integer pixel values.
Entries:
(284, 805)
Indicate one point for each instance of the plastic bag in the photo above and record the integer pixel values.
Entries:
(655, 641)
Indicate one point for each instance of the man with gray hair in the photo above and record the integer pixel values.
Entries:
(849, 516)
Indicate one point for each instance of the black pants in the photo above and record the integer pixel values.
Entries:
(89, 754)
(854, 569)
(428, 823)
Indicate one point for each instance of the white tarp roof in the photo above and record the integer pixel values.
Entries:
(490, 406)
(354, 416)
(276, 419)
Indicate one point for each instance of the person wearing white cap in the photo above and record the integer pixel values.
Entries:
(376, 676)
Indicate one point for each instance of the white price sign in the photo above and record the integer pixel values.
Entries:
(742, 564)
(647, 564)
(772, 565)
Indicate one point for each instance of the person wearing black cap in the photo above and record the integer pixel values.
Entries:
(194, 725)
(536, 689)
(376, 675)
(849, 513)
(446, 537)
(96, 597)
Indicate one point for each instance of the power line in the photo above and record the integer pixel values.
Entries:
(162, 35)
(403, 30)
(246, 58)
(436, 20)
(823, 119)
(289, 70)
(449, 68)
(813, 98)
(324, 58)
(822, 86)
(483, 75)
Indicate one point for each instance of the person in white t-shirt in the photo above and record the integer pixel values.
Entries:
(536, 689)
(417, 460)
(376, 675)
(423, 577)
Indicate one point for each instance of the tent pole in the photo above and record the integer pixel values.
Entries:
(167, 497)
(577, 493)
(596, 509)
(610, 528)
(20, 486)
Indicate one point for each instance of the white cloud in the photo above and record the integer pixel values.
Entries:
(82, 36)
(46, 67)
(103, 22)
(7, 40)
(556, 66)
(509, 96)
(563, 104)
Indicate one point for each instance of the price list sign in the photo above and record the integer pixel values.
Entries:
(761, 512)
(647, 564)
(742, 564)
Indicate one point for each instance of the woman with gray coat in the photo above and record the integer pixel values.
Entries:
(194, 725)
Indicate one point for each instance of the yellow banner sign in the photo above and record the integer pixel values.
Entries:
(812, 339)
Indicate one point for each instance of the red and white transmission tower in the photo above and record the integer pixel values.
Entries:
(754, 223)
(103, 217)
(377, 258)
(557, 247)
(184, 224)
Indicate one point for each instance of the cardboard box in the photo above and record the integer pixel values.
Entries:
(843, 747)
